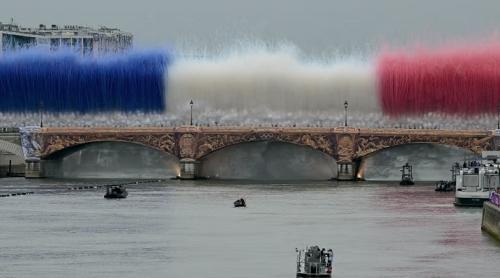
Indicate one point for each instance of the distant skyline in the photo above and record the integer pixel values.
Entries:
(314, 26)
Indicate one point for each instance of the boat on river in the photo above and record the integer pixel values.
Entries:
(406, 175)
(314, 262)
(476, 180)
(116, 192)
(446, 186)
(240, 203)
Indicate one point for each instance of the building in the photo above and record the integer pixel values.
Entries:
(88, 41)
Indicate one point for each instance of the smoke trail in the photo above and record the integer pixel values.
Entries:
(64, 81)
(261, 80)
(453, 80)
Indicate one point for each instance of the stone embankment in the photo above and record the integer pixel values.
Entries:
(491, 216)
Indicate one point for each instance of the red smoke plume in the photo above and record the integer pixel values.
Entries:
(463, 80)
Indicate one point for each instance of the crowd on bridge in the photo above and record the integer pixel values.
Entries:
(241, 118)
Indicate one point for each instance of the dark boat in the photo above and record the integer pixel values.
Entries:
(116, 192)
(445, 186)
(240, 203)
(314, 262)
(407, 175)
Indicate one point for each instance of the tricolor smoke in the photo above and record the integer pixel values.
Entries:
(277, 83)
(67, 82)
(454, 80)
(271, 81)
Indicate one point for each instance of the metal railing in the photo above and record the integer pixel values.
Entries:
(9, 130)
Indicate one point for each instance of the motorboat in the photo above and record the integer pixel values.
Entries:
(314, 262)
(476, 180)
(116, 192)
(240, 203)
(406, 175)
(446, 186)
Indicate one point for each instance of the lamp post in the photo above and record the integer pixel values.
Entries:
(346, 104)
(191, 103)
(41, 113)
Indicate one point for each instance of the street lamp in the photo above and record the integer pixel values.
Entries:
(191, 103)
(41, 113)
(345, 114)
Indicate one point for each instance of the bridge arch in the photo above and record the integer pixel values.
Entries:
(56, 152)
(11, 148)
(110, 159)
(367, 145)
(430, 161)
(52, 143)
(214, 142)
(372, 152)
(269, 160)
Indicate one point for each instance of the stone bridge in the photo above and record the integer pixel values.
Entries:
(190, 144)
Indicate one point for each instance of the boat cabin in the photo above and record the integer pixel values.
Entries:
(477, 179)
(407, 175)
(314, 262)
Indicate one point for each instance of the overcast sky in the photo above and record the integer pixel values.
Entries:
(312, 25)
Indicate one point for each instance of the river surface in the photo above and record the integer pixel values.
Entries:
(190, 229)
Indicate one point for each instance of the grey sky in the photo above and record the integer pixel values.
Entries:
(314, 25)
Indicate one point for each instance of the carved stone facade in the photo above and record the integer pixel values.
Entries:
(211, 142)
(344, 144)
(52, 142)
(370, 143)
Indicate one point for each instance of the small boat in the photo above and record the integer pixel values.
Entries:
(446, 186)
(116, 192)
(240, 203)
(407, 175)
(314, 262)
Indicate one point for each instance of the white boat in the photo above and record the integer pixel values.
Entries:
(476, 180)
(315, 262)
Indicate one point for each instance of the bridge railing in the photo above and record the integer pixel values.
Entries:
(9, 129)
(495, 198)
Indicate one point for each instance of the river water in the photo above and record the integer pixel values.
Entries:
(190, 229)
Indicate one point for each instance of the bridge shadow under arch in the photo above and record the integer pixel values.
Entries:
(268, 160)
(11, 159)
(111, 160)
(430, 161)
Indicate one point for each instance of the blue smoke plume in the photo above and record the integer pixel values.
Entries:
(65, 81)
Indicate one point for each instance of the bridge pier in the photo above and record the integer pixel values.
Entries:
(33, 169)
(346, 171)
(189, 169)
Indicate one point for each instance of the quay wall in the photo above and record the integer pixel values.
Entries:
(491, 219)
